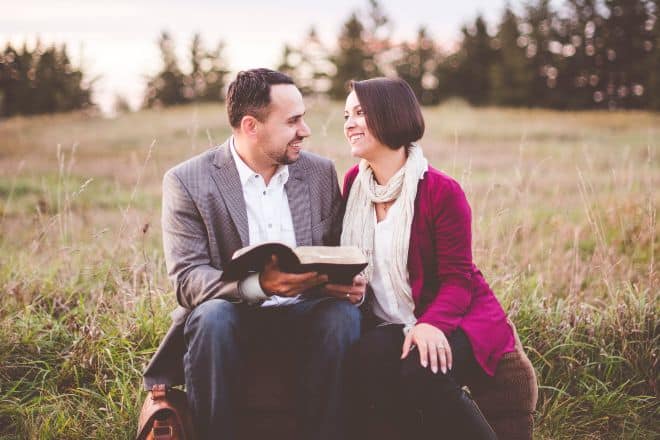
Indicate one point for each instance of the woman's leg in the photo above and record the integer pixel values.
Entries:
(372, 391)
(447, 410)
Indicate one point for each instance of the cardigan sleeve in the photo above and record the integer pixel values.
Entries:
(453, 250)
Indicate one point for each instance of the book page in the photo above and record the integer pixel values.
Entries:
(330, 255)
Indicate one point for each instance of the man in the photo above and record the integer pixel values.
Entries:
(258, 186)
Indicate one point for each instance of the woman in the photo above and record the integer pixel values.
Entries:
(432, 319)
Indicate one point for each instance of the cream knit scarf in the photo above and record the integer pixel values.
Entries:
(359, 220)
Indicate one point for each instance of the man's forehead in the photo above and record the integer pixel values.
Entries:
(286, 98)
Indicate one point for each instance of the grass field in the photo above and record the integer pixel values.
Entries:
(565, 230)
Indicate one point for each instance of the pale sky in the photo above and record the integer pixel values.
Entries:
(116, 39)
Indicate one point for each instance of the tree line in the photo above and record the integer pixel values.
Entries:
(41, 80)
(584, 54)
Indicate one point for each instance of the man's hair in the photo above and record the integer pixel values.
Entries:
(391, 110)
(249, 94)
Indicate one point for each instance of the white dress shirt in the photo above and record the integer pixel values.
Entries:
(390, 308)
(269, 219)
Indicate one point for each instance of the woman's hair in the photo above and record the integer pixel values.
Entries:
(391, 110)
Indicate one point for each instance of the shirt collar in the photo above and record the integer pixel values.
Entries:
(246, 173)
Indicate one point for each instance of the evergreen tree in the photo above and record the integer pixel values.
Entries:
(364, 50)
(10, 84)
(353, 61)
(651, 88)
(308, 64)
(195, 84)
(40, 81)
(206, 81)
(378, 24)
(511, 74)
(215, 75)
(167, 87)
(625, 51)
(171, 86)
(417, 65)
(543, 51)
(121, 105)
(467, 72)
(378, 31)
(290, 59)
(447, 76)
(581, 66)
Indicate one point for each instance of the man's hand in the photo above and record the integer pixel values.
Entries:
(350, 292)
(275, 282)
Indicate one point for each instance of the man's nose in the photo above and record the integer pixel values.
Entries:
(304, 130)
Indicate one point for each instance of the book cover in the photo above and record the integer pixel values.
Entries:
(340, 263)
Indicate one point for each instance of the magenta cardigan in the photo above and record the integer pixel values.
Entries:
(447, 288)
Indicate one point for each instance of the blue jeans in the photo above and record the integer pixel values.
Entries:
(217, 331)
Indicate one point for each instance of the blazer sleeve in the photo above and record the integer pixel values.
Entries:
(186, 248)
(453, 251)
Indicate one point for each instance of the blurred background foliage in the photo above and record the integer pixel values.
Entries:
(581, 54)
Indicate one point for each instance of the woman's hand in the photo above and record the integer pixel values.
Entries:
(432, 345)
(349, 292)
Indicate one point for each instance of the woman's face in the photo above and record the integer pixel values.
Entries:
(363, 144)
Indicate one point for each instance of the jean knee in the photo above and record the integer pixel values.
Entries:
(214, 317)
(336, 323)
(340, 318)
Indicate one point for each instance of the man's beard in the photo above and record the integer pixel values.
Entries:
(281, 157)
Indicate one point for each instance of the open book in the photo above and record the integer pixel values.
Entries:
(340, 263)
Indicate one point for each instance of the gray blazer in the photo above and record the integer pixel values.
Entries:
(205, 220)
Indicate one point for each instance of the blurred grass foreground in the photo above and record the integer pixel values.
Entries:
(565, 230)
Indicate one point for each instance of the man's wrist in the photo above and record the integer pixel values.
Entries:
(250, 289)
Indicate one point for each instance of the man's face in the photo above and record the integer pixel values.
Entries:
(281, 134)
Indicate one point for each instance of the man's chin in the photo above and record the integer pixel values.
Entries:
(291, 157)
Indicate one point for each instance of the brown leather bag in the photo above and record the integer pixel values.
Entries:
(165, 415)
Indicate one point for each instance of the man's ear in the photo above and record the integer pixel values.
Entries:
(249, 125)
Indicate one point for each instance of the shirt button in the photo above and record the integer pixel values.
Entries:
(264, 192)
(270, 225)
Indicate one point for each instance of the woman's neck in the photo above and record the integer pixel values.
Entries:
(387, 164)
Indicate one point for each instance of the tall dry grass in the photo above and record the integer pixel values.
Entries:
(565, 230)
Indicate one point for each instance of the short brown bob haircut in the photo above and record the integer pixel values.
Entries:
(391, 110)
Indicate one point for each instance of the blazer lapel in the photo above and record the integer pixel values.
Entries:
(229, 186)
(297, 191)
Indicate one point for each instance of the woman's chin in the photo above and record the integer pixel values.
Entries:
(357, 152)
